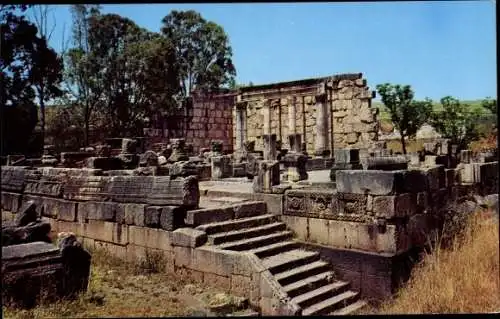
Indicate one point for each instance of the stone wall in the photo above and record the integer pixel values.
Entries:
(207, 117)
(352, 122)
(133, 217)
(384, 211)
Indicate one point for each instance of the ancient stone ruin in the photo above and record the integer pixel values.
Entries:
(297, 207)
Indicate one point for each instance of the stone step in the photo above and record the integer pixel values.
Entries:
(333, 303)
(351, 309)
(324, 292)
(239, 234)
(239, 223)
(289, 259)
(244, 313)
(273, 249)
(309, 283)
(255, 242)
(302, 272)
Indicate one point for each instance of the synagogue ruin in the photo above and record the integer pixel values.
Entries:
(280, 193)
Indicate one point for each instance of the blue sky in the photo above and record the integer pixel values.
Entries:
(439, 48)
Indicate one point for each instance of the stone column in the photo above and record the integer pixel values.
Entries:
(266, 111)
(240, 125)
(293, 138)
(269, 147)
(321, 145)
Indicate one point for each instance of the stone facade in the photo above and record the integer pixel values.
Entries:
(207, 117)
(339, 107)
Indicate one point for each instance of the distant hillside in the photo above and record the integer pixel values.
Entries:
(474, 104)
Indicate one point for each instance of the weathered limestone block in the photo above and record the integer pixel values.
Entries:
(13, 178)
(129, 146)
(27, 270)
(36, 184)
(349, 204)
(346, 155)
(27, 214)
(105, 211)
(178, 150)
(188, 237)
(268, 176)
(60, 209)
(183, 168)
(221, 167)
(385, 163)
(181, 191)
(30, 232)
(401, 205)
(76, 265)
(10, 201)
(87, 188)
(253, 164)
(370, 182)
(149, 158)
(295, 163)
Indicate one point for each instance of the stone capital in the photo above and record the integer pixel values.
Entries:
(241, 105)
(321, 98)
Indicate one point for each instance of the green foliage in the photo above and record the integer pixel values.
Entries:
(26, 63)
(490, 105)
(457, 121)
(137, 72)
(203, 51)
(407, 115)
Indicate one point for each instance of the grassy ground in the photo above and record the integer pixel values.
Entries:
(122, 290)
(461, 279)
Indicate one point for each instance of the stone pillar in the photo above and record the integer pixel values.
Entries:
(221, 167)
(269, 147)
(240, 125)
(266, 111)
(294, 139)
(321, 145)
(268, 175)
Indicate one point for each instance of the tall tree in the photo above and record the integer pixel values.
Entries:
(407, 115)
(138, 71)
(203, 50)
(23, 55)
(48, 71)
(82, 74)
(456, 121)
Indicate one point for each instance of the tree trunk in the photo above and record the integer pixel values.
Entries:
(86, 131)
(403, 145)
(42, 117)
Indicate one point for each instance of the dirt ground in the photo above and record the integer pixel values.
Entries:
(119, 290)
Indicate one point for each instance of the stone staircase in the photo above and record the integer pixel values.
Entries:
(306, 279)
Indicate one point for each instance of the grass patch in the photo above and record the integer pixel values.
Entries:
(461, 279)
(119, 289)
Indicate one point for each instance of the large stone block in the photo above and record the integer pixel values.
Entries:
(105, 211)
(133, 214)
(391, 163)
(208, 215)
(346, 155)
(370, 182)
(212, 260)
(401, 205)
(221, 167)
(267, 177)
(10, 201)
(106, 231)
(59, 208)
(181, 191)
(13, 178)
(150, 237)
(350, 203)
(87, 188)
(38, 184)
(188, 237)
